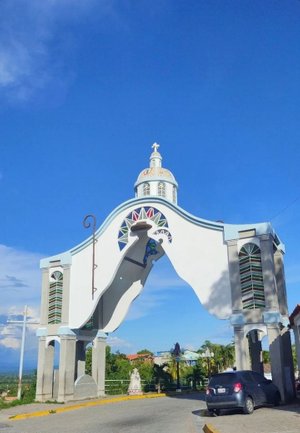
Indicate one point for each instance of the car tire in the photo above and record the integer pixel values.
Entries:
(248, 406)
(214, 412)
(277, 399)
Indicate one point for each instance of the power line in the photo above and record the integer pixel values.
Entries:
(285, 208)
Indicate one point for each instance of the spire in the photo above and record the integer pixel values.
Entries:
(155, 158)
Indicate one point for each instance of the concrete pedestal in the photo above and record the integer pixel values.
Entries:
(66, 377)
(98, 362)
(44, 384)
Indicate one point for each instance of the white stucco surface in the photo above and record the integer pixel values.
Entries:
(198, 254)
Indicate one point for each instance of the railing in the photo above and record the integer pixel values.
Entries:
(112, 386)
(120, 386)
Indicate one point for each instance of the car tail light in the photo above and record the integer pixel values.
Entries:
(207, 391)
(237, 387)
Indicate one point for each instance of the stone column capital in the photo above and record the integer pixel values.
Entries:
(266, 237)
(232, 242)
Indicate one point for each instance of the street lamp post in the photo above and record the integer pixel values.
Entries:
(177, 359)
(86, 225)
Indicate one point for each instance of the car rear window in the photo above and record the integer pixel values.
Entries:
(223, 379)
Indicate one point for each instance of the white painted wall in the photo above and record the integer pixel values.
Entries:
(198, 254)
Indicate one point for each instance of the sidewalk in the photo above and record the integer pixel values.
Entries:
(44, 409)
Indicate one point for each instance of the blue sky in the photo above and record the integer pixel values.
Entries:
(87, 87)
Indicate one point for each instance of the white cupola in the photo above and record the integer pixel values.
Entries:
(156, 181)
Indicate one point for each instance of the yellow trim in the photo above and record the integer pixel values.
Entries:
(208, 428)
(81, 405)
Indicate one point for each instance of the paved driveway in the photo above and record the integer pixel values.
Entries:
(177, 414)
(282, 419)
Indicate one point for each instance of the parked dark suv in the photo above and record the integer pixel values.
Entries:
(243, 389)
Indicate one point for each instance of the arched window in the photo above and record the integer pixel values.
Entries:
(55, 297)
(251, 277)
(146, 189)
(174, 194)
(161, 189)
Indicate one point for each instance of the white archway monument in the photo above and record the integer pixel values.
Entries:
(210, 256)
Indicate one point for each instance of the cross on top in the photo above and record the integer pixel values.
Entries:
(155, 146)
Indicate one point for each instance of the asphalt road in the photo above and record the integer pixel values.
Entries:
(178, 414)
(162, 415)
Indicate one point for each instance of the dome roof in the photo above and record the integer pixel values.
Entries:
(155, 172)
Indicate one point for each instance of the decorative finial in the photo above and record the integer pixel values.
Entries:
(155, 146)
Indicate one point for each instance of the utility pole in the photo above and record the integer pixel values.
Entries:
(23, 323)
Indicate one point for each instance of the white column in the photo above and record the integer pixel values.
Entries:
(98, 362)
(242, 356)
(268, 268)
(66, 376)
(234, 275)
(44, 384)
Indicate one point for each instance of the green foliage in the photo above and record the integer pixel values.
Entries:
(196, 375)
(145, 369)
(266, 356)
(88, 361)
(161, 377)
(223, 358)
(144, 352)
(8, 383)
(117, 365)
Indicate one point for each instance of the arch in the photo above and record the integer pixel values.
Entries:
(55, 297)
(255, 327)
(205, 254)
(251, 277)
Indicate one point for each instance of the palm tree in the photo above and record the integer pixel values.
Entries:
(161, 375)
(223, 356)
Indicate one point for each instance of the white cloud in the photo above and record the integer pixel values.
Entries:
(20, 281)
(118, 343)
(33, 47)
(11, 335)
(10, 343)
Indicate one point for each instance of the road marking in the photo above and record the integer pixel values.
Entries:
(81, 405)
(208, 428)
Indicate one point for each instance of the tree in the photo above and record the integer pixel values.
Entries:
(196, 374)
(145, 369)
(88, 361)
(266, 356)
(223, 356)
(145, 352)
(161, 376)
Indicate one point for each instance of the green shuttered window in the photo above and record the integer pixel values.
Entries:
(251, 277)
(55, 298)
